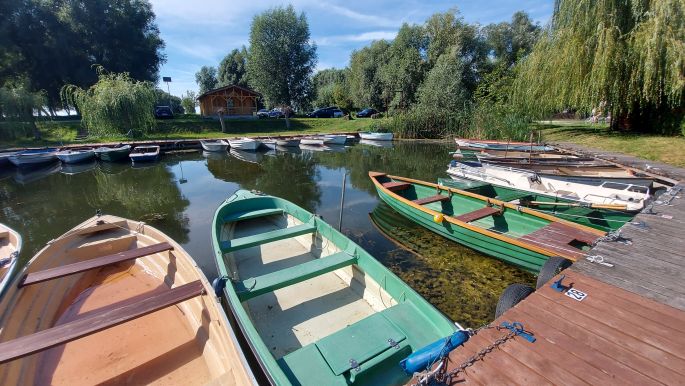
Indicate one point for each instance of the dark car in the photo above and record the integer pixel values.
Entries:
(366, 113)
(263, 113)
(276, 113)
(327, 112)
(162, 112)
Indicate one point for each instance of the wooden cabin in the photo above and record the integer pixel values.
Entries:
(234, 100)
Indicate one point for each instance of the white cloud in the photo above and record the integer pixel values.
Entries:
(372, 20)
(360, 37)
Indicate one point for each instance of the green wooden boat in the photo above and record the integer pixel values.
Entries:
(117, 153)
(512, 233)
(588, 215)
(315, 308)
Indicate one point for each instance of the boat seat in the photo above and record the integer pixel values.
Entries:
(428, 200)
(396, 186)
(239, 216)
(478, 214)
(253, 287)
(266, 237)
(98, 320)
(87, 265)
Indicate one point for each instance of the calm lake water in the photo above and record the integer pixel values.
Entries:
(179, 195)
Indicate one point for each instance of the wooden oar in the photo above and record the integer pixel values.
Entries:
(593, 206)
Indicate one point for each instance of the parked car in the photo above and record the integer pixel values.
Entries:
(162, 112)
(327, 112)
(276, 113)
(366, 113)
(263, 113)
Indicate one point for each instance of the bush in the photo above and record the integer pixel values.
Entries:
(429, 124)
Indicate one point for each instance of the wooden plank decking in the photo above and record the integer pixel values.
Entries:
(611, 337)
(630, 329)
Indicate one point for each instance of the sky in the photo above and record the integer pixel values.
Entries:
(202, 32)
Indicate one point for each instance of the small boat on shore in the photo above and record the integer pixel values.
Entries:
(74, 156)
(10, 248)
(5, 157)
(214, 145)
(32, 157)
(311, 141)
(113, 153)
(315, 308)
(502, 145)
(509, 232)
(288, 142)
(334, 139)
(248, 144)
(115, 301)
(579, 189)
(144, 154)
(598, 216)
(375, 136)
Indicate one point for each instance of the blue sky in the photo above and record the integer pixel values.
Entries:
(202, 32)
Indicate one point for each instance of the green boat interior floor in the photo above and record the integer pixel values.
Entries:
(326, 311)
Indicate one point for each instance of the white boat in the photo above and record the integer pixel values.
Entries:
(501, 145)
(288, 142)
(244, 144)
(634, 197)
(373, 136)
(311, 141)
(214, 145)
(73, 156)
(333, 139)
(5, 156)
(10, 247)
(270, 143)
(144, 154)
(34, 157)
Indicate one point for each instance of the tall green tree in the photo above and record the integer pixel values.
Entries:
(403, 72)
(324, 82)
(509, 41)
(442, 90)
(281, 57)
(233, 69)
(54, 42)
(365, 79)
(206, 79)
(626, 54)
(18, 103)
(189, 101)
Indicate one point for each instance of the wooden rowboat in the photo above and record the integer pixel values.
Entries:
(515, 234)
(214, 145)
(144, 154)
(501, 145)
(315, 308)
(10, 247)
(115, 301)
(113, 153)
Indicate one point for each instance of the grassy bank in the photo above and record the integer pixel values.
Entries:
(192, 127)
(667, 149)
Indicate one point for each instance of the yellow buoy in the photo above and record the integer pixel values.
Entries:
(438, 218)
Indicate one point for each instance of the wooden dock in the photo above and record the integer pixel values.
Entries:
(628, 329)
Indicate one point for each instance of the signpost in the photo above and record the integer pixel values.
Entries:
(167, 80)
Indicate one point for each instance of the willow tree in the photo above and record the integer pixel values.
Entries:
(116, 104)
(627, 55)
(17, 106)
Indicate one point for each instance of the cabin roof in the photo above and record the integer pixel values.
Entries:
(228, 87)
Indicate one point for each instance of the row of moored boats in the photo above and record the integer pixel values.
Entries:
(115, 153)
(250, 144)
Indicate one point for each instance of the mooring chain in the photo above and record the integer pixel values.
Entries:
(440, 373)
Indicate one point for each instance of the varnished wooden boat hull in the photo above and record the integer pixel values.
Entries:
(186, 343)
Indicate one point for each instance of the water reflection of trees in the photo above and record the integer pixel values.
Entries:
(46, 208)
(288, 175)
(425, 161)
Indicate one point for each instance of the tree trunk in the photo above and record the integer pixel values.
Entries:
(221, 120)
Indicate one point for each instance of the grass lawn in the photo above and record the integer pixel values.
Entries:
(192, 127)
(662, 148)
